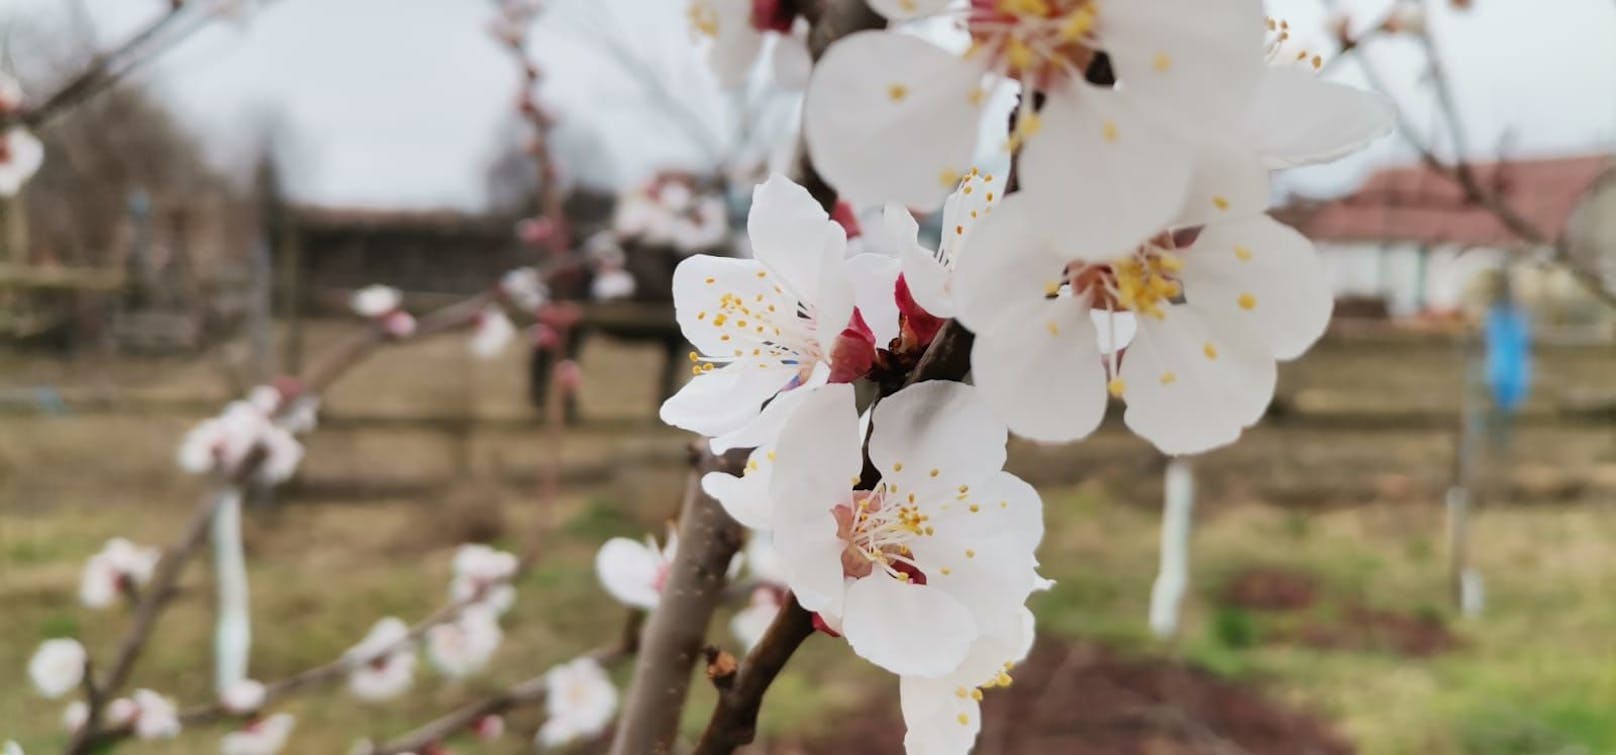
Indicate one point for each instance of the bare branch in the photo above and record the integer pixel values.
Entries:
(524, 693)
(673, 637)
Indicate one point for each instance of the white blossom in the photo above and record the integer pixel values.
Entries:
(265, 736)
(121, 712)
(770, 325)
(612, 283)
(525, 288)
(579, 700)
(738, 31)
(21, 154)
(944, 714)
(57, 667)
(492, 333)
(121, 567)
(915, 570)
(1210, 321)
(223, 442)
(635, 573)
(11, 748)
(375, 301)
(75, 715)
(382, 665)
(156, 716)
(243, 696)
(482, 574)
(464, 646)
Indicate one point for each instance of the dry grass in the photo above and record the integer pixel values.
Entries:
(1537, 674)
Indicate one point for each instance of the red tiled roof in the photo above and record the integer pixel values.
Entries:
(1416, 204)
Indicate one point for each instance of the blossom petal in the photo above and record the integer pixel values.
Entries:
(1193, 380)
(1228, 180)
(791, 62)
(934, 436)
(725, 399)
(939, 720)
(1298, 119)
(745, 498)
(818, 454)
(1026, 264)
(874, 278)
(906, 628)
(1100, 172)
(1044, 378)
(792, 235)
(736, 46)
(628, 570)
(1264, 274)
(25, 154)
(892, 118)
(764, 430)
(1196, 63)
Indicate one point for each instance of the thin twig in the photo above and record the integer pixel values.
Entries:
(1462, 173)
(522, 694)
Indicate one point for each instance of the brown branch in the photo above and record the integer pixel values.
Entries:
(102, 71)
(524, 693)
(164, 586)
(674, 635)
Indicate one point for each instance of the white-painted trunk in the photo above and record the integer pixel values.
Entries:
(232, 638)
(1173, 577)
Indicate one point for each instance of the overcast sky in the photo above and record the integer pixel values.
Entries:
(400, 102)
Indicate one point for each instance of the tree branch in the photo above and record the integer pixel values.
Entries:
(673, 637)
(524, 693)
(1463, 174)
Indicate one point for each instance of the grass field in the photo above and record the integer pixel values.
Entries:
(1351, 513)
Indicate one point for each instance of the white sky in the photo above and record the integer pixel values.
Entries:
(399, 102)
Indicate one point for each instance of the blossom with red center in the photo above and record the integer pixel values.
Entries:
(464, 646)
(482, 575)
(265, 736)
(772, 325)
(120, 569)
(913, 570)
(21, 153)
(383, 305)
(382, 665)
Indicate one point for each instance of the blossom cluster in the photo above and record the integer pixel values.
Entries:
(1128, 257)
(260, 429)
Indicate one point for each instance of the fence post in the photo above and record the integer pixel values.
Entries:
(1172, 579)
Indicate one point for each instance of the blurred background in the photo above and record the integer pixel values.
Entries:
(1409, 555)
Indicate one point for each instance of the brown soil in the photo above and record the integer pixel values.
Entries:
(1269, 589)
(1080, 699)
(1367, 629)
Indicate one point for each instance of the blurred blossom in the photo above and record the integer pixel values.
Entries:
(21, 154)
(243, 697)
(482, 574)
(489, 728)
(265, 736)
(11, 748)
(57, 667)
(464, 646)
(579, 700)
(738, 31)
(635, 573)
(612, 284)
(493, 332)
(382, 665)
(121, 712)
(156, 717)
(752, 621)
(121, 568)
(222, 443)
(375, 301)
(525, 288)
(75, 715)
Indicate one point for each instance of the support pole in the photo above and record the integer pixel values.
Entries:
(1172, 578)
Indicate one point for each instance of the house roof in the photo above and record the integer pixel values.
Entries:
(1416, 204)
